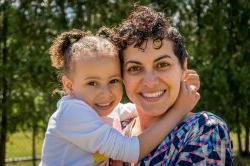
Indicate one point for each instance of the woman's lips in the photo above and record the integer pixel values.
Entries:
(152, 96)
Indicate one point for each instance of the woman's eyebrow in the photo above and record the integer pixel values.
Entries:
(132, 61)
(162, 57)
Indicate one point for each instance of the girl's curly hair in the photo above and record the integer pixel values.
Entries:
(77, 43)
(144, 23)
(61, 46)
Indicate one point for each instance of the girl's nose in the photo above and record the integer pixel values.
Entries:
(150, 79)
(105, 92)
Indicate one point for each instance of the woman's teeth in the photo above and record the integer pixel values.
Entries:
(154, 94)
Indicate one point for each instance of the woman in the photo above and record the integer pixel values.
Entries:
(154, 62)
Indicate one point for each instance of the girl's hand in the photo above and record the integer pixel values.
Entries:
(191, 77)
(187, 99)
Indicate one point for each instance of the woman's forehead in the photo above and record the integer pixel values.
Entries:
(148, 49)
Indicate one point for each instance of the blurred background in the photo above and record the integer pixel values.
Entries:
(217, 35)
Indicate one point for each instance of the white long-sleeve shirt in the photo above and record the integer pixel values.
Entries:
(75, 132)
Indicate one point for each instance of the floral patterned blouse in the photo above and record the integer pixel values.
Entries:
(201, 139)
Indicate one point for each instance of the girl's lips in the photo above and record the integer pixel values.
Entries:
(152, 96)
(104, 106)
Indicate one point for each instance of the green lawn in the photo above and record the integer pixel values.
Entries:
(26, 163)
(239, 161)
(20, 145)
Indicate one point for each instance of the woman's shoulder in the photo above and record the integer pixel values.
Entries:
(203, 122)
(205, 118)
(202, 133)
(198, 128)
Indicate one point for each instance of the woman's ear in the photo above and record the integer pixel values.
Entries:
(67, 84)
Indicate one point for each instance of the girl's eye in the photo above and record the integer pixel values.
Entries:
(134, 69)
(92, 83)
(114, 81)
(162, 65)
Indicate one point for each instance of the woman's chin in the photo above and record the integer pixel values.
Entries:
(153, 112)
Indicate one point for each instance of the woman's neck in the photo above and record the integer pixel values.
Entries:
(144, 121)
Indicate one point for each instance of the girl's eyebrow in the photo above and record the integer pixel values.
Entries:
(162, 57)
(115, 76)
(92, 78)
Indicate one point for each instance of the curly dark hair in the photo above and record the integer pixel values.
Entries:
(144, 23)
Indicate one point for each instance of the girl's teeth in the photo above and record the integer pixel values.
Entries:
(155, 94)
(103, 105)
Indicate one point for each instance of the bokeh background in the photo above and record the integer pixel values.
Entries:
(217, 35)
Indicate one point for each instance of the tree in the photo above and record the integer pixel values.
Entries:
(4, 80)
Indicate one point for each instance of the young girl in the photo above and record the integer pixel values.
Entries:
(79, 132)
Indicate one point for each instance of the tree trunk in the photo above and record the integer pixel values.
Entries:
(64, 22)
(238, 130)
(34, 142)
(4, 87)
(239, 139)
(247, 141)
(79, 15)
(198, 17)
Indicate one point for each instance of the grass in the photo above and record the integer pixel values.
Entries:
(20, 145)
(25, 163)
(239, 161)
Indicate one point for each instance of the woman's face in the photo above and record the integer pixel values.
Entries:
(152, 77)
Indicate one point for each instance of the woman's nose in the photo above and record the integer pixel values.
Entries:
(150, 79)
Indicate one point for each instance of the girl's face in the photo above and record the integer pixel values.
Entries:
(152, 77)
(97, 81)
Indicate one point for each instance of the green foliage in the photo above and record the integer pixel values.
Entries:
(217, 37)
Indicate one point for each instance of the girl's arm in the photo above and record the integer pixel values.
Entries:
(80, 125)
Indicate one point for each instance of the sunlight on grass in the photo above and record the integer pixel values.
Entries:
(20, 145)
(233, 136)
(239, 161)
(28, 163)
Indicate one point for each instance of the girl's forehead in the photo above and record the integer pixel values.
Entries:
(93, 57)
(97, 66)
(85, 54)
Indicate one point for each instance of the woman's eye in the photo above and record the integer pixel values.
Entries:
(162, 65)
(134, 69)
(114, 81)
(92, 83)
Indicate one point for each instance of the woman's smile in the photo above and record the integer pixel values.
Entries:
(153, 96)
